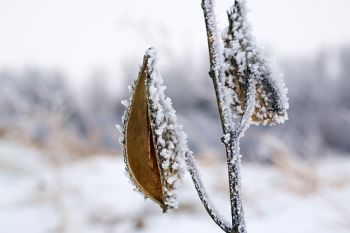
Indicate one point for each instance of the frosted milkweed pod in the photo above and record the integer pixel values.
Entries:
(153, 141)
(243, 58)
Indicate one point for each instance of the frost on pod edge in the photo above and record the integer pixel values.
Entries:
(165, 143)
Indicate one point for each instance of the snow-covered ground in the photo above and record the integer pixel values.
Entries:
(93, 195)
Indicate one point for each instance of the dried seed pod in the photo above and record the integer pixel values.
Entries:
(241, 56)
(154, 145)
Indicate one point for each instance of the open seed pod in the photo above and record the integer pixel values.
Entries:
(242, 54)
(154, 145)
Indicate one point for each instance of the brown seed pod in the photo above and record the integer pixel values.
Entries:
(154, 145)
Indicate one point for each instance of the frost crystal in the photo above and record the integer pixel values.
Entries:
(169, 139)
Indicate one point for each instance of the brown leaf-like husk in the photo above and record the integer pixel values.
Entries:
(142, 161)
(153, 141)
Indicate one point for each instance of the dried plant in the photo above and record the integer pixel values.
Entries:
(154, 145)
(247, 91)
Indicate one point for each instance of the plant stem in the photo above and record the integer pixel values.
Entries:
(232, 146)
(203, 196)
(216, 73)
(234, 162)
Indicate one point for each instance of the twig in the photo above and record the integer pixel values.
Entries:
(233, 133)
(203, 195)
(234, 161)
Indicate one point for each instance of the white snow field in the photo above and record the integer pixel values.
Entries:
(93, 195)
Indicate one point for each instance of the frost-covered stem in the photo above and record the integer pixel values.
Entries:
(213, 213)
(234, 160)
(216, 73)
(231, 145)
(216, 70)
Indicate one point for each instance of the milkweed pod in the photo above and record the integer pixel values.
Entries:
(242, 58)
(153, 141)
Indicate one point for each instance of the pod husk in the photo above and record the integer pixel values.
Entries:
(154, 145)
(142, 160)
(271, 96)
(267, 110)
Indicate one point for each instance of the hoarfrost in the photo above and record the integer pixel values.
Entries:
(169, 138)
(241, 56)
(170, 142)
(216, 59)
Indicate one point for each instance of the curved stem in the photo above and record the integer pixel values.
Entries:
(233, 161)
(213, 213)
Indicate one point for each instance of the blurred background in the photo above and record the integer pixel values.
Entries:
(65, 67)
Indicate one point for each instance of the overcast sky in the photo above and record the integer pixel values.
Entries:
(79, 36)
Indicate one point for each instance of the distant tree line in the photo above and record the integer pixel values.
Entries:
(41, 107)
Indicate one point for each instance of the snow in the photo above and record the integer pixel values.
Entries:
(93, 195)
